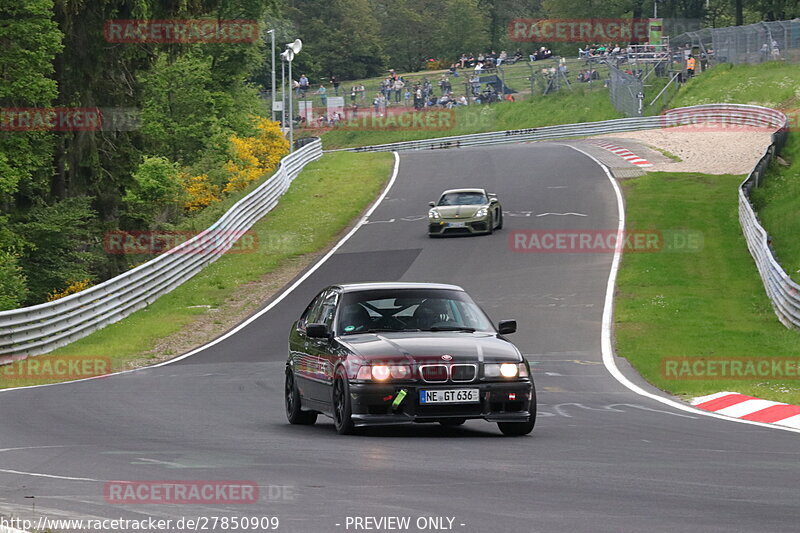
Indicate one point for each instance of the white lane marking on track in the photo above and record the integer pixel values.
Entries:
(556, 187)
(562, 214)
(259, 314)
(35, 448)
(607, 347)
(159, 462)
(379, 221)
(49, 476)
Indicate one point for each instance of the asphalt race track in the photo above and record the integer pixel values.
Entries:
(601, 459)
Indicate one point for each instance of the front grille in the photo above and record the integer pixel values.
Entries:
(434, 373)
(440, 373)
(463, 373)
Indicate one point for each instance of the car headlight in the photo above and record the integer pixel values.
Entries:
(506, 370)
(433, 213)
(383, 372)
(482, 212)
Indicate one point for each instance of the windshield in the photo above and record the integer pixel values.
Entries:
(463, 198)
(410, 310)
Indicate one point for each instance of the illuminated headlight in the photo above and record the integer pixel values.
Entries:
(433, 213)
(506, 370)
(384, 372)
(482, 212)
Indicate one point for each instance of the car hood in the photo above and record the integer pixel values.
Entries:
(431, 346)
(458, 211)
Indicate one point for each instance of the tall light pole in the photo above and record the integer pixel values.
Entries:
(283, 91)
(272, 99)
(291, 49)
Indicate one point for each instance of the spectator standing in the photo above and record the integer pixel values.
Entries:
(353, 94)
(407, 96)
(335, 83)
(303, 86)
(776, 52)
(690, 65)
(323, 95)
(362, 91)
(399, 85)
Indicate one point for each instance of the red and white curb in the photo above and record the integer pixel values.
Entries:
(748, 408)
(624, 153)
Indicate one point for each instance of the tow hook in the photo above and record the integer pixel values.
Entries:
(399, 400)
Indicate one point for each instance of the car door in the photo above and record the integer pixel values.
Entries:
(300, 348)
(321, 350)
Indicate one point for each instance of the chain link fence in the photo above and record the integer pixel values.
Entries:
(754, 43)
(626, 92)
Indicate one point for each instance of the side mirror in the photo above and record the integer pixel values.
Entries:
(504, 327)
(317, 331)
(432, 204)
(493, 200)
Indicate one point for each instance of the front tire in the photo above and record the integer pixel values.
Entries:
(342, 407)
(517, 429)
(500, 219)
(294, 413)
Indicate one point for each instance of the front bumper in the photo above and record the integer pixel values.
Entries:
(372, 403)
(465, 226)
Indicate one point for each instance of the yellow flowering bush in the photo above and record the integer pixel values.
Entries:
(200, 192)
(72, 288)
(255, 156)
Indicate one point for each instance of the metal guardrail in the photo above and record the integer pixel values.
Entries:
(42, 328)
(782, 291)
(682, 116)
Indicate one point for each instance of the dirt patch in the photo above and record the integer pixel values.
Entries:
(734, 151)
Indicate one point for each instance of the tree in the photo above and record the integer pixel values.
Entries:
(13, 289)
(63, 246)
(156, 191)
(29, 40)
(341, 35)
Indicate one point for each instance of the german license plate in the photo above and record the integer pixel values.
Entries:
(449, 396)
(455, 224)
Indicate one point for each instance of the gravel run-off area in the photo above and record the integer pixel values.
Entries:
(709, 149)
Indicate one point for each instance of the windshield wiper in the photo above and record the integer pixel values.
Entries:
(450, 328)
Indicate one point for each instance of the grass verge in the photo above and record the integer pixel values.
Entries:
(708, 303)
(321, 202)
(773, 84)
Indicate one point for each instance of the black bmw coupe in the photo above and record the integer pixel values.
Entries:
(394, 353)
